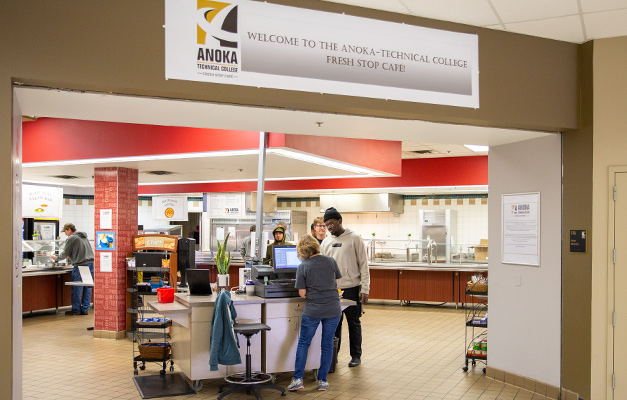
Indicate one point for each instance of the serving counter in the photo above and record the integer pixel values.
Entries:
(272, 351)
(44, 288)
(414, 281)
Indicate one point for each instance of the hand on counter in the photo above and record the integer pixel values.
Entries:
(363, 298)
(53, 257)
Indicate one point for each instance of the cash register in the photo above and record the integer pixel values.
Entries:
(277, 280)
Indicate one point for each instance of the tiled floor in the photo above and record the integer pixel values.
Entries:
(409, 353)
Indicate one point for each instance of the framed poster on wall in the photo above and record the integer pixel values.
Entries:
(520, 229)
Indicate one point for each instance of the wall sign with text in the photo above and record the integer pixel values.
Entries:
(258, 44)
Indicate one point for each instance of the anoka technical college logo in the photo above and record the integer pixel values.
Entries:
(518, 209)
(217, 37)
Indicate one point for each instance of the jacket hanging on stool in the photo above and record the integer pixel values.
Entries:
(223, 343)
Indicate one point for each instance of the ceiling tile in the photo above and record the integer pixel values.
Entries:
(565, 28)
(528, 10)
(387, 5)
(606, 24)
(469, 12)
(603, 5)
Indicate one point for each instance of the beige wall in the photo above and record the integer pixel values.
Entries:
(610, 142)
(525, 82)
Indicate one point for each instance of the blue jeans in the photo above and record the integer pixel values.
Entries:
(308, 326)
(81, 295)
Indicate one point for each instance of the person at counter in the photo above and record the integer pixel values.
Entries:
(288, 237)
(279, 238)
(316, 281)
(349, 251)
(318, 229)
(245, 249)
(78, 251)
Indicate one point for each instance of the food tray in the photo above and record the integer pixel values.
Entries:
(477, 287)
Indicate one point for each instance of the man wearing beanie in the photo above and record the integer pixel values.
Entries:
(349, 251)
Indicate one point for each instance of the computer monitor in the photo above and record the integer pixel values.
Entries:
(285, 259)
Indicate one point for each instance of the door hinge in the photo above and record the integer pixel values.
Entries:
(614, 254)
(614, 318)
(614, 193)
(613, 381)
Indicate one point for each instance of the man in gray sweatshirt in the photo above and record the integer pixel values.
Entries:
(78, 251)
(349, 251)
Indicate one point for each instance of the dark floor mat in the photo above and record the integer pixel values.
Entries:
(152, 386)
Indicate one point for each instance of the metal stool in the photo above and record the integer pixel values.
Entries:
(247, 381)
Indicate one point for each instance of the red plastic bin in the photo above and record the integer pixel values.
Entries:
(165, 295)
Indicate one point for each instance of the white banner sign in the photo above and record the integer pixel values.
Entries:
(521, 229)
(253, 43)
(169, 208)
(41, 202)
(220, 205)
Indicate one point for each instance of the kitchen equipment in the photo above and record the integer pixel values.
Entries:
(50, 264)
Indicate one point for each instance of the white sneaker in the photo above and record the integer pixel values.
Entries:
(297, 384)
(323, 385)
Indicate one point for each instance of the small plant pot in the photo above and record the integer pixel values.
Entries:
(224, 281)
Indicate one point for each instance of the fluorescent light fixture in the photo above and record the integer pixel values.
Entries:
(477, 148)
(324, 162)
(291, 178)
(143, 158)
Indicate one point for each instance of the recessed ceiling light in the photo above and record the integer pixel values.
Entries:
(477, 148)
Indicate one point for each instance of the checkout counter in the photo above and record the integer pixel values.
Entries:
(272, 351)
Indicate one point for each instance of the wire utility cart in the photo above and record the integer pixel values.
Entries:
(476, 332)
(150, 332)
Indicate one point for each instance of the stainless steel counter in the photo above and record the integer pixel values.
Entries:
(40, 271)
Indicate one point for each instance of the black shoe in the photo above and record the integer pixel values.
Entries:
(84, 313)
(354, 362)
(71, 313)
(332, 369)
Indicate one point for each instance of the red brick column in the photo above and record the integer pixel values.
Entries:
(115, 189)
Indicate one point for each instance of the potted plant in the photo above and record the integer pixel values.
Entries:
(223, 261)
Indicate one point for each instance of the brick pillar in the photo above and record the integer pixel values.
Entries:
(116, 190)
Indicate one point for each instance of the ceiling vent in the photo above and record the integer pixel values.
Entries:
(159, 173)
(66, 177)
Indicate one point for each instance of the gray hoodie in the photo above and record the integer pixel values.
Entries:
(77, 249)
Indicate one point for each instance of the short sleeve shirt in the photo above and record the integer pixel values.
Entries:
(317, 274)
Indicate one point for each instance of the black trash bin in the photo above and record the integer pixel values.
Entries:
(336, 342)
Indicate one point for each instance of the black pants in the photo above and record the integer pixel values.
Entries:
(353, 316)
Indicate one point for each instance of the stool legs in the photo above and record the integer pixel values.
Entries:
(248, 384)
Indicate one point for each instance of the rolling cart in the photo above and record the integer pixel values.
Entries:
(476, 332)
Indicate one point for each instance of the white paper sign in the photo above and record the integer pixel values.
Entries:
(220, 205)
(169, 208)
(106, 218)
(106, 262)
(521, 229)
(254, 43)
(41, 201)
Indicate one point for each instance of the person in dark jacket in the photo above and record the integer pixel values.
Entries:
(78, 251)
(279, 238)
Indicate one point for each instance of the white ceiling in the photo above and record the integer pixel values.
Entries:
(575, 21)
